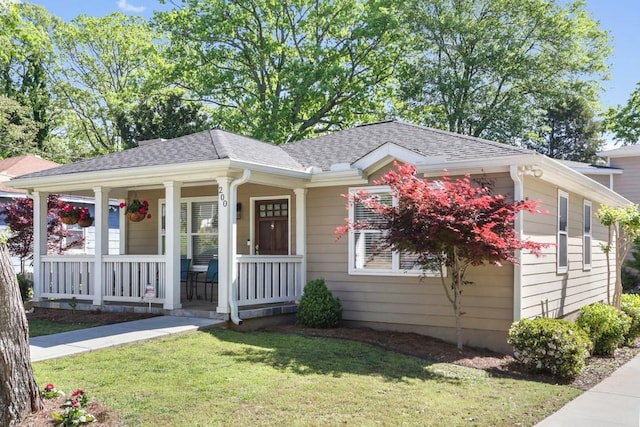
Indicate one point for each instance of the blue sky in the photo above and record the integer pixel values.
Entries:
(620, 17)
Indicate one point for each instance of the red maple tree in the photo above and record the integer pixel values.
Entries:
(449, 225)
(18, 215)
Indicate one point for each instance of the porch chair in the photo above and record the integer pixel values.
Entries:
(185, 265)
(209, 277)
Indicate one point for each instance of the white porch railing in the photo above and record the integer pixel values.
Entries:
(125, 277)
(67, 276)
(264, 279)
(261, 279)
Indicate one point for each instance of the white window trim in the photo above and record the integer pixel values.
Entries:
(188, 201)
(562, 269)
(395, 261)
(252, 222)
(586, 248)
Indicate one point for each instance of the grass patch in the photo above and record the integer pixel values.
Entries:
(221, 377)
(39, 327)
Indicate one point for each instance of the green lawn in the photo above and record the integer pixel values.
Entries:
(44, 327)
(221, 377)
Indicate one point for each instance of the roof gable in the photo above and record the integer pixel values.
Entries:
(350, 145)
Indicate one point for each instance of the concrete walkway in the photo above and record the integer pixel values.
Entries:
(83, 340)
(612, 403)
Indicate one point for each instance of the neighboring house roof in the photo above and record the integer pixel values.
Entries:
(214, 144)
(349, 145)
(627, 151)
(589, 169)
(16, 166)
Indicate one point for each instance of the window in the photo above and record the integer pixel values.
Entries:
(365, 256)
(563, 231)
(198, 229)
(77, 239)
(586, 235)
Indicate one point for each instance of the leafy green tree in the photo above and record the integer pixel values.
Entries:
(27, 53)
(105, 67)
(284, 70)
(162, 115)
(483, 67)
(624, 229)
(569, 131)
(18, 130)
(624, 120)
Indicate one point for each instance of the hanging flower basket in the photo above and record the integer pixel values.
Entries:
(137, 210)
(69, 214)
(86, 222)
(135, 216)
(69, 220)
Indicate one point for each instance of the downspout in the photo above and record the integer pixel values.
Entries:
(518, 194)
(233, 246)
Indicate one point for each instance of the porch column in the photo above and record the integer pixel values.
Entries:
(301, 235)
(39, 239)
(225, 257)
(172, 245)
(101, 200)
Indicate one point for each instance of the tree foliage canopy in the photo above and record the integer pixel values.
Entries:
(280, 71)
(624, 121)
(484, 67)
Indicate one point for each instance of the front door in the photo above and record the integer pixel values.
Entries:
(272, 227)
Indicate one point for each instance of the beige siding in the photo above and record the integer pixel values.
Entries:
(400, 302)
(601, 179)
(627, 183)
(545, 292)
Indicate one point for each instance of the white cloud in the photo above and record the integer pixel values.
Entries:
(125, 6)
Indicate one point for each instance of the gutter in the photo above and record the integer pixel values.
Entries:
(233, 247)
(518, 194)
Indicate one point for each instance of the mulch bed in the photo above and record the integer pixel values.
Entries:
(431, 349)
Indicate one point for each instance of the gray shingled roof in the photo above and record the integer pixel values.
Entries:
(346, 146)
(212, 144)
(626, 151)
(352, 144)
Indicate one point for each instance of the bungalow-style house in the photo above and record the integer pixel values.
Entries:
(268, 213)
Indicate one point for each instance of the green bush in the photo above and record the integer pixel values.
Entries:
(26, 288)
(318, 307)
(555, 346)
(606, 326)
(631, 307)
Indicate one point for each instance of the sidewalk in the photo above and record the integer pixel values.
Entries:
(614, 402)
(83, 340)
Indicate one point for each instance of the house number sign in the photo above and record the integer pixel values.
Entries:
(222, 197)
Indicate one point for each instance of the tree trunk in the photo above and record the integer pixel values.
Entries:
(19, 393)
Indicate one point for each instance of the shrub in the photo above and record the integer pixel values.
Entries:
(605, 325)
(318, 307)
(26, 288)
(631, 307)
(548, 345)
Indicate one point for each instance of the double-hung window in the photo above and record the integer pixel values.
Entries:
(198, 229)
(563, 232)
(586, 235)
(366, 256)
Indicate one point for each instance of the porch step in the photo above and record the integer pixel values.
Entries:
(203, 314)
(267, 311)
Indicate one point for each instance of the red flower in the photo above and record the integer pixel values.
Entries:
(122, 205)
(145, 203)
(49, 387)
(149, 216)
(78, 392)
(75, 403)
(143, 211)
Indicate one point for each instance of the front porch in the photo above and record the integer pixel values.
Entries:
(139, 283)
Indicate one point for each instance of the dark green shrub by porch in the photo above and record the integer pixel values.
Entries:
(318, 307)
(26, 287)
(631, 307)
(606, 326)
(555, 346)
